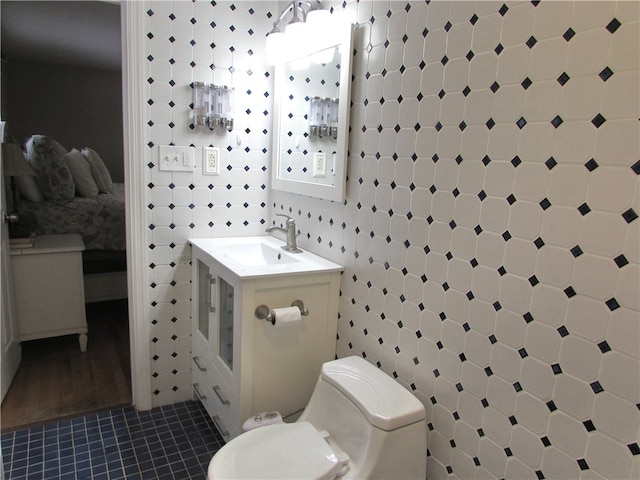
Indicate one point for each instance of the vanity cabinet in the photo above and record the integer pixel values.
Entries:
(242, 365)
(212, 374)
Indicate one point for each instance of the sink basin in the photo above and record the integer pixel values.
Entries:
(257, 254)
(261, 256)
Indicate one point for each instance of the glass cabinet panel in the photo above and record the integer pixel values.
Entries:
(226, 322)
(204, 298)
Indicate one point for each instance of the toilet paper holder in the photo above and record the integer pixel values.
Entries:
(263, 312)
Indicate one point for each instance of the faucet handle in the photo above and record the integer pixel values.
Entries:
(289, 219)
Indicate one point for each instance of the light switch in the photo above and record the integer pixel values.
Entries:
(175, 158)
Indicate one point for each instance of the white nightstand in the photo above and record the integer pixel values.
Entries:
(49, 288)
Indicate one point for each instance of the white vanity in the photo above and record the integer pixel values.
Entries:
(242, 364)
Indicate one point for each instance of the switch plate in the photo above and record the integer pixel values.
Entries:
(176, 159)
(210, 161)
(319, 164)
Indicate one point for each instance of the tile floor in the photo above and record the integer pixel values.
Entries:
(174, 442)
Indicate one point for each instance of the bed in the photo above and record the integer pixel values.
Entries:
(99, 220)
(72, 192)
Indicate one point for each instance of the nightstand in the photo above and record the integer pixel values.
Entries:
(49, 288)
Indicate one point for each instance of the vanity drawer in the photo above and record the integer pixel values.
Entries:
(227, 428)
(213, 385)
(217, 411)
(199, 387)
(223, 393)
(223, 423)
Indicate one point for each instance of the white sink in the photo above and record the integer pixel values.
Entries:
(257, 254)
(260, 256)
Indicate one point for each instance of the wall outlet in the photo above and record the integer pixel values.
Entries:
(211, 161)
(172, 158)
(319, 164)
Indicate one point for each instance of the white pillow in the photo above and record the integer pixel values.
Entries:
(99, 170)
(54, 179)
(81, 173)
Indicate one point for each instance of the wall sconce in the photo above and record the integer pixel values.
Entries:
(212, 106)
(323, 117)
(309, 21)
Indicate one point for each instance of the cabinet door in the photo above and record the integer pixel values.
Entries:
(225, 331)
(226, 299)
(205, 305)
(214, 310)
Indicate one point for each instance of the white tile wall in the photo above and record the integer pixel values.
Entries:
(219, 43)
(495, 273)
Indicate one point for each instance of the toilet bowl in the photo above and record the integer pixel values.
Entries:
(359, 424)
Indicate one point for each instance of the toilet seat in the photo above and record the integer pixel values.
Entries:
(286, 451)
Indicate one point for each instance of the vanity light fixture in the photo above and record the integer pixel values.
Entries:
(212, 106)
(308, 21)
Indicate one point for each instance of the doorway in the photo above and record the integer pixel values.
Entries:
(46, 361)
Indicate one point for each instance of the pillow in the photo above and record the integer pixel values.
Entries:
(81, 173)
(53, 178)
(99, 170)
(28, 188)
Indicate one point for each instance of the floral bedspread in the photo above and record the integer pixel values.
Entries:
(100, 220)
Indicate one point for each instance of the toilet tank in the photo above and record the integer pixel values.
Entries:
(382, 400)
(364, 409)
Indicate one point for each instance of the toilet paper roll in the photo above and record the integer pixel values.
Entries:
(287, 316)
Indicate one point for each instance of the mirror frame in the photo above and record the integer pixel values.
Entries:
(336, 192)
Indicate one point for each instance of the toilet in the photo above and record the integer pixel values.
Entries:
(358, 424)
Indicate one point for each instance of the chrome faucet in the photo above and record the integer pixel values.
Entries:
(291, 245)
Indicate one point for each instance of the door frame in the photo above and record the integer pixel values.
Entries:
(133, 73)
(132, 21)
(10, 357)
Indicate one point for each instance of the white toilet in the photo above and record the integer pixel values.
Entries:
(359, 424)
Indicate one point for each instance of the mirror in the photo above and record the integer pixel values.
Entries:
(311, 119)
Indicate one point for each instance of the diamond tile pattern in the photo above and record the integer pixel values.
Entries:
(184, 44)
(490, 234)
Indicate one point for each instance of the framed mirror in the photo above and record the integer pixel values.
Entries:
(311, 119)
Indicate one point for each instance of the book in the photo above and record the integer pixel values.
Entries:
(26, 242)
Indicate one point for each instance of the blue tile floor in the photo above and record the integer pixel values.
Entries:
(175, 442)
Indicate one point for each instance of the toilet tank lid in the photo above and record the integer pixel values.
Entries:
(386, 403)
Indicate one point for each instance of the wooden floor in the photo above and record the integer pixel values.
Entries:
(55, 380)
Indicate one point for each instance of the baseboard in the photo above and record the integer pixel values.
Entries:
(100, 287)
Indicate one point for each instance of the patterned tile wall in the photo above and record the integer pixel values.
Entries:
(213, 42)
(490, 235)
(490, 231)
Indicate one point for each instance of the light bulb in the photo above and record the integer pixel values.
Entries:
(295, 31)
(274, 47)
(318, 18)
(295, 38)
